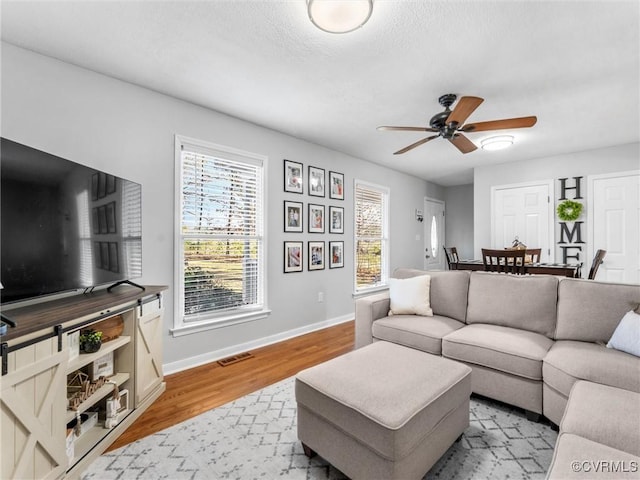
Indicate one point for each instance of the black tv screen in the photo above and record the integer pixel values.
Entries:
(64, 226)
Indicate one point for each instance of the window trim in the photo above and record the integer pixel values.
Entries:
(386, 241)
(227, 317)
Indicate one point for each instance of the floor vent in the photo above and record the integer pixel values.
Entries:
(234, 359)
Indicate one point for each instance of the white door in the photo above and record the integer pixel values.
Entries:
(523, 211)
(615, 226)
(433, 234)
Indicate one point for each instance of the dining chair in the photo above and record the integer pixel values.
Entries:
(532, 255)
(504, 261)
(597, 261)
(452, 257)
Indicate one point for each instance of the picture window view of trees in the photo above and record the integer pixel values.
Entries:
(370, 236)
(221, 230)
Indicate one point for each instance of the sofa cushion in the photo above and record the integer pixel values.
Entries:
(422, 333)
(626, 337)
(590, 311)
(410, 296)
(527, 302)
(577, 458)
(509, 350)
(449, 290)
(569, 361)
(604, 414)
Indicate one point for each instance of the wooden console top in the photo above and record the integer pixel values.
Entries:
(33, 318)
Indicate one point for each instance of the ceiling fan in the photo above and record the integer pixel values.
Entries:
(449, 124)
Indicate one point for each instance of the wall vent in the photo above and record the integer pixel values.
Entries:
(234, 359)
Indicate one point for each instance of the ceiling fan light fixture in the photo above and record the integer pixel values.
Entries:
(499, 142)
(339, 16)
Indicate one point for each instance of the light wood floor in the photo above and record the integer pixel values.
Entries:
(194, 391)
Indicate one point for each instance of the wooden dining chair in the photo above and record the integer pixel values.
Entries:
(532, 255)
(597, 261)
(452, 257)
(503, 261)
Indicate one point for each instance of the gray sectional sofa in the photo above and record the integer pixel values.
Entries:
(528, 339)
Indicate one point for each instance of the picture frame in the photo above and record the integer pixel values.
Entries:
(316, 256)
(316, 181)
(111, 217)
(293, 177)
(293, 257)
(293, 216)
(336, 254)
(102, 219)
(336, 219)
(336, 185)
(316, 218)
(111, 184)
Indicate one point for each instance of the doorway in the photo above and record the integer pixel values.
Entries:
(523, 211)
(615, 225)
(433, 234)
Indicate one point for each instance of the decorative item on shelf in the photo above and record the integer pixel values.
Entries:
(102, 367)
(518, 245)
(90, 341)
(80, 388)
(569, 210)
(111, 328)
(116, 405)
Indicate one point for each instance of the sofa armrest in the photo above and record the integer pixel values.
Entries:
(368, 310)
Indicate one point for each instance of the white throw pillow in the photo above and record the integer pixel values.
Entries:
(410, 296)
(626, 338)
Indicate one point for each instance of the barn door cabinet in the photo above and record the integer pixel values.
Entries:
(38, 363)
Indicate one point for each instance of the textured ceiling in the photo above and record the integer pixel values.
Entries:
(574, 64)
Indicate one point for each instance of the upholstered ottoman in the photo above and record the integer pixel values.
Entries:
(383, 411)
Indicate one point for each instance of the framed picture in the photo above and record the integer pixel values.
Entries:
(336, 220)
(94, 186)
(336, 254)
(111, 184)
(316, 256)
(316, 181)
(316, 218)
(111, 217)
(113, 257)
(292, 257)
(293, 179)
(336, 185)
(102, 218)
(293, 216)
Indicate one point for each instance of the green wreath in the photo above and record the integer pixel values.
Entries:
(569, 211)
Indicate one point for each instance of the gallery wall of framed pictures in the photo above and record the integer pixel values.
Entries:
(317, 217)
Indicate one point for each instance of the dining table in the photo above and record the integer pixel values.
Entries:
(571, 270)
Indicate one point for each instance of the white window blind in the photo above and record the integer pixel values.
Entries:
(371, 231)
(221, 233)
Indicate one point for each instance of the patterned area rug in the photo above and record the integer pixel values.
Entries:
(255, 437)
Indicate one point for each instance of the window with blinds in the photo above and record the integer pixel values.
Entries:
(221, 233)
(371, 232)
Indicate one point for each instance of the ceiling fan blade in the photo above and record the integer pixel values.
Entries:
(414, 145)
(462, 143)
(408, 129)
(462, 110)
(522, 122)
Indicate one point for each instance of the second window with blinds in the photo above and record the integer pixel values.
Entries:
(219, 239)
(371, 236)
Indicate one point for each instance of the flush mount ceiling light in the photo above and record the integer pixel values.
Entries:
(339, 16)
(497, 143)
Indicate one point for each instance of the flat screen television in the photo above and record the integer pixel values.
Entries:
(64, 226)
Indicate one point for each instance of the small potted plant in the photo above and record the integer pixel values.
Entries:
(90, 341)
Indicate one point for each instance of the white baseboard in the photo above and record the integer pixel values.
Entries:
(191, 362)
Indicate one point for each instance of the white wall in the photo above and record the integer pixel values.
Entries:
(129, 131)
(619, 158)
(459, 219)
